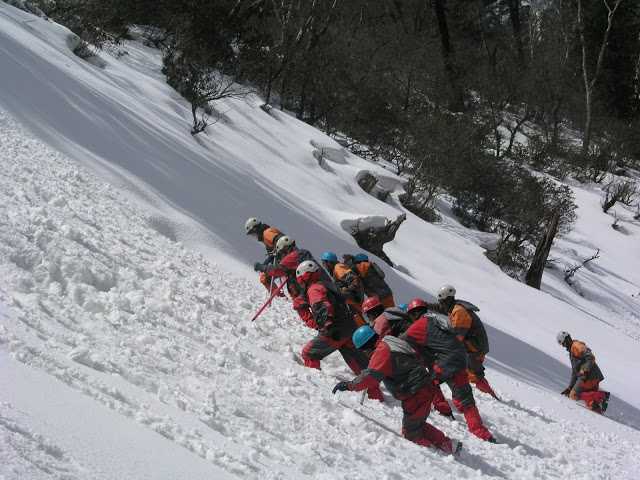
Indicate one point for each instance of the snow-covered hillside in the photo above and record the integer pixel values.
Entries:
(125, 345)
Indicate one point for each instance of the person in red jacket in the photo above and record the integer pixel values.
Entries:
(441, 349)
(395, 321)
(268, 236)
(385, 321)
(334, 322)
(288, 257)
(395, 362)
(347, 281)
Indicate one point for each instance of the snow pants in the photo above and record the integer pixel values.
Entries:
(466, 404)
(440, 403)
(588, 391)
(414, 421)
(322, 346)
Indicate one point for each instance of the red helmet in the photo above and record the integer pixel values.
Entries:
(370, 304)
(416, 303)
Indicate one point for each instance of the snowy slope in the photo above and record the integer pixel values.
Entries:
(108, 311)
(122, 350)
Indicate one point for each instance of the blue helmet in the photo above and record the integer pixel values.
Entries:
(403, 306)
(362, 335)
(329, 257)
(360, 257)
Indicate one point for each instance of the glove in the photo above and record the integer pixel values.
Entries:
(341, 387)
(565, 392)
(259, 267)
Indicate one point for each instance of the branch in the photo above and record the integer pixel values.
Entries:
(570, 272)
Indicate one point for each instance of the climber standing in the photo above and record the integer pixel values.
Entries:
(347, 281)
(287, 258)
(334, 323)
(445, 355)
(372, 278)
(585, 375)
(469, 329)
(268, 236)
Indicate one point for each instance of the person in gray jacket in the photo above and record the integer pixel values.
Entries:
(585, 374)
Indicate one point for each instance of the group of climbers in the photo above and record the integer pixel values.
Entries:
(412, 348)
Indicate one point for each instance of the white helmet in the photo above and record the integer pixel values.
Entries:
(283, 243)
(250, 225)
(446, 291)
(562, 337)
(308, 266)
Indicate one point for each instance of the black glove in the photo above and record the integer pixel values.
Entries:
(566, 392)
(341, 387)
(259, 267)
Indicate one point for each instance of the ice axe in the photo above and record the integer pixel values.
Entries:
(269, 300)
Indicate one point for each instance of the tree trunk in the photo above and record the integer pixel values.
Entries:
(555, 115)
(590, 83)
(533, 277)
(456, 102)
(514, 15)
(586, 138)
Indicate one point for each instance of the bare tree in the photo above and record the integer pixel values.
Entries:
(571, 271)
(208, 86)
(299, 26)
(591, 80)
(624, 192)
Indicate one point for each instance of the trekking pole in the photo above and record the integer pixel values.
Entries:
(364, 393)
(273, 263)
(269, 300)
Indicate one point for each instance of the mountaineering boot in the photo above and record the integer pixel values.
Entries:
(450, 447)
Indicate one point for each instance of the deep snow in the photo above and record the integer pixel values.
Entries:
(113, 311)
